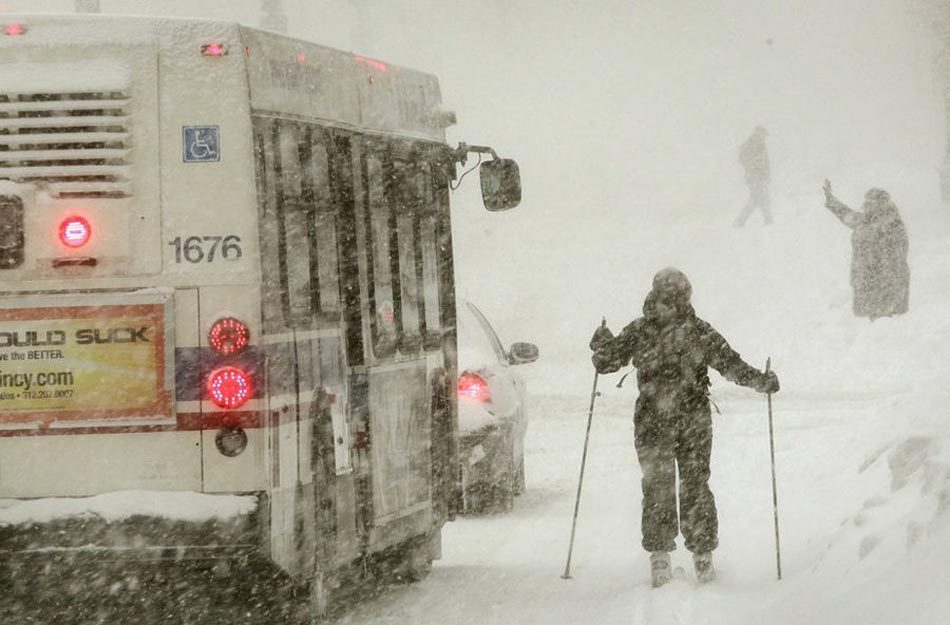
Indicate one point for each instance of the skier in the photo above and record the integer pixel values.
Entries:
(672, 349)
(754, 158)
(880, 275)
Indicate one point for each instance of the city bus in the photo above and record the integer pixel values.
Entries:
(227, 307)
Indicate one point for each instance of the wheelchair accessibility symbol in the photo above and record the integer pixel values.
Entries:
(201, 144)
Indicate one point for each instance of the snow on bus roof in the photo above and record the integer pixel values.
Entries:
(61, 28)
(285, 75)
(90, 74)
(117, 506)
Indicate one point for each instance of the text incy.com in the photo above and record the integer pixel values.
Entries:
(26, 381)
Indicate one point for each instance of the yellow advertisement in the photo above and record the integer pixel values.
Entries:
(82, 363)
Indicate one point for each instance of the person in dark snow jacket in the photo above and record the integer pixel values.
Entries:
(754, 158)
(880, 275)
(672, 350)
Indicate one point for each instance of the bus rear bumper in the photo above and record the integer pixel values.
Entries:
(143, 568)
(116, 526)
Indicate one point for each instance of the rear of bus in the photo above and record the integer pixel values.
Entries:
(131, 367)
(175, 384)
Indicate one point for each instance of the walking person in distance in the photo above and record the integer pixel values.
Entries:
(754, 158)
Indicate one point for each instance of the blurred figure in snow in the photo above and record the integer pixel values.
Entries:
(880, 275)
(754, 158)
(672, 350)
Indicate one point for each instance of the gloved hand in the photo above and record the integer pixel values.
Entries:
(830, 198)
(767, 383)
(602, 336)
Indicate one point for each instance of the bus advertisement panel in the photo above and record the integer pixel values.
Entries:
(63, 363)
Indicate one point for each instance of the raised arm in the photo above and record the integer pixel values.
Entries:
(847, 216)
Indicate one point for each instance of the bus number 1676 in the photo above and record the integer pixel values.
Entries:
(205, 248)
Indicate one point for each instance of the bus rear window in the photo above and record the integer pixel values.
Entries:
(11, 232)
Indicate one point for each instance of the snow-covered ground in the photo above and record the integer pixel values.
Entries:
(845, 533)
(862, 441)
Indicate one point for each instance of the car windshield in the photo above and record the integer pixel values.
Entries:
(477, 342)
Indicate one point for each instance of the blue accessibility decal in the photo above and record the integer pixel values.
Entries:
(201, 144)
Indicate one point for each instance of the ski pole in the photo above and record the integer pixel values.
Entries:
(778, 550)
(580, 482)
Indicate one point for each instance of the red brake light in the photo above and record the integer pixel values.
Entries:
(228, 336)
(14, 29)
(379, 66)
(74, 231)
(229, 387)
(473, 387)
(214, 49)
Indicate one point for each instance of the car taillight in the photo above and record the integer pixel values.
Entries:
(229, 387)
(473, 387)
(228, 336)
(74, 231)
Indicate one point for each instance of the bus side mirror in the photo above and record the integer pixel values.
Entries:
(501, 184)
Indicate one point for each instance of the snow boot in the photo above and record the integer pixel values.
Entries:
(660, 568)
(705, 572)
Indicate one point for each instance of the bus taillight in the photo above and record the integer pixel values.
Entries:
(214, 49)
(229, 387)
(228, 336)
(74, 231)
(379, 66)
(14, 29)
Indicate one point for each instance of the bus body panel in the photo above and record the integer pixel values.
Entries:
(159, 461)
(303, 80)
(46, 89)
(209, 199)
(118, 349)
(341, 271)
(300, 79)
(246, 471)
(400, 454)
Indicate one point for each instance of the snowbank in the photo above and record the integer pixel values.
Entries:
(886, 563)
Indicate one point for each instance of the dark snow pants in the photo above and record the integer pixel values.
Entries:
(671, 433)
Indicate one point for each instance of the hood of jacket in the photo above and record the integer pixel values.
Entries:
(671, 288)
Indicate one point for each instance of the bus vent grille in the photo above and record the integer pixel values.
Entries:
(72, 145)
